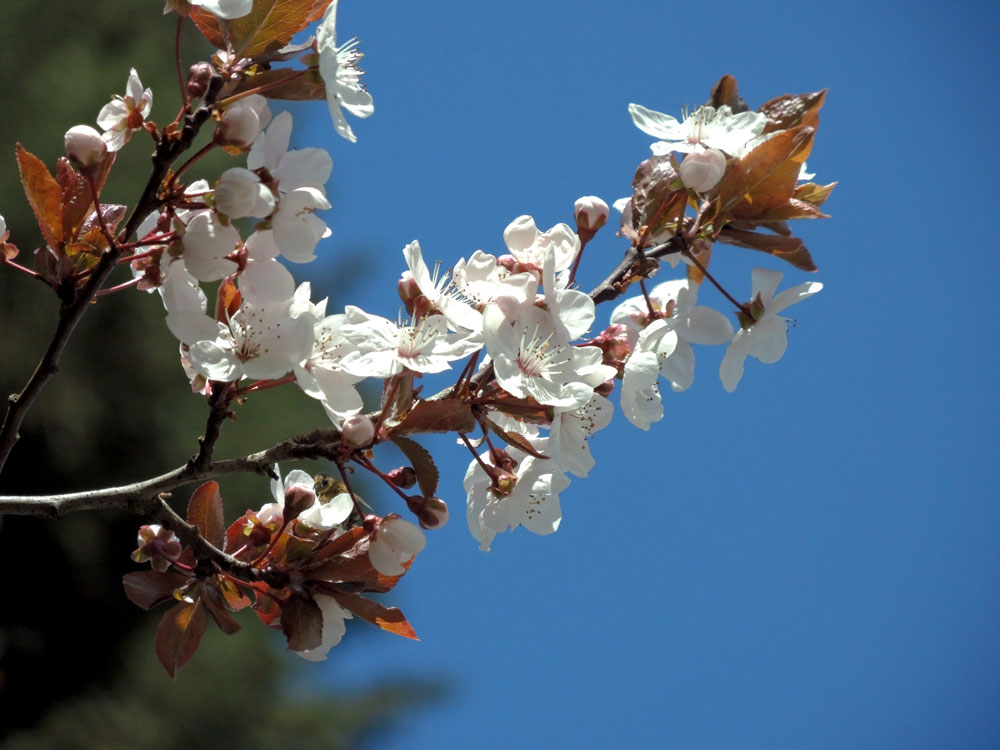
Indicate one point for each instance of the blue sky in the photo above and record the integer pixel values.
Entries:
(811, 561)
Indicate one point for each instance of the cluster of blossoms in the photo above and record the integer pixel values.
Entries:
(536, 371)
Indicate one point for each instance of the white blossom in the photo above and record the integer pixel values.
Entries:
(395, 542)
(706, 127)
(766, 338)
(338, 66)
(529, 246)
(120, 117)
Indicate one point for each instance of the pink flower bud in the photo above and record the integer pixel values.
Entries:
(158, 546)
(199, 76)
(432, 512)
(403, 477)
(408, 290)
(298, 498)
(357, 431)
(85, 147)
(702, 170)
(590, 213)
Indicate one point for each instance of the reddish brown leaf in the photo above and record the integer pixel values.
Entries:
(340, 544)
(77, 200)
(387, 618)
(288, 84)
(270, 25)
(525, 409)
(790, 249)
(794, 209)
(213, 600)
(178, 635)
(793, 110)
(302, 622)
(205, 511)
(147, 588)
(234, 596)
(764, 178)
(658, 196)
(441, 415)
(726, 93)
(43, 193)
(518, 441)
(810, 192)
(423, 464)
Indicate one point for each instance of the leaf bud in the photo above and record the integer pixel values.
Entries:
(357, 431)
(199, 76)
(85, 147)
(403, 477)
(158, 546)
(590, 213)
(702, 170)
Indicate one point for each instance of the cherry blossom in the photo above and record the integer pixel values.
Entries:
(640, 394)
(84, 146)
(339, 69)
(706, 127)
(207, 241)
(318, 514)
(322, 376)
(532, 502)
(123, 115)
(766, 337)
(528, 245)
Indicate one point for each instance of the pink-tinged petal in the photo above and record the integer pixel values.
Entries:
(764, 282)
(705, 326)
(731, 369)
(768, 339)
(790, 296)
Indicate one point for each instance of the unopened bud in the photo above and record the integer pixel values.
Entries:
(606, 388)
(298, 499)
(242, 122)
(590, 213)
(85, 147)
(404, 477)
(432, 513)
(408, 290)
(702, 170)
(199, 76)
(357, 431)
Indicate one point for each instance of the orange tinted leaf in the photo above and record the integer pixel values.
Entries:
(766, 177)
(793, 110)
(423, 464)
(704, 255)
(270, 25)
(205, 511)
(790, 249)
(387, 618)
(810, 192)
(43, 193)
(441, 415)
(9, 250)
(178, 635)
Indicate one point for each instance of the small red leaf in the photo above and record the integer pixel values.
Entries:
(518, 441)
(793, 110)
(178, 635)
(423, 464)
(214, 602)
(441, 415)
(147, 588)
(810, 192)
(387, 618)
(789, 249)
(205, 511)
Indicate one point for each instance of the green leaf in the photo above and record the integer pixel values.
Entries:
(269, 26)
(205, 511)
(387, 618)
(440, 415)
(147, 588)
(423, 464)
(178, 635)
